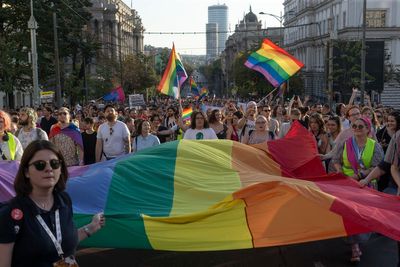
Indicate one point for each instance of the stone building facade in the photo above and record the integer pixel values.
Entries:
(310, 25)
(248, 36)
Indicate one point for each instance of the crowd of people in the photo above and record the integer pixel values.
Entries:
(360, 141)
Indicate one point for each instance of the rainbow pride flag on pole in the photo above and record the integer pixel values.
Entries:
(193, 87)
(213, 195)
(186, 113)
(203, 92)
(174, 76)
(274, 63)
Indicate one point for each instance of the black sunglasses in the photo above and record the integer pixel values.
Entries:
(40, 165)
(111, 131)
(360, 126)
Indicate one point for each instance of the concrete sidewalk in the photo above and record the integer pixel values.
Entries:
(379, 251)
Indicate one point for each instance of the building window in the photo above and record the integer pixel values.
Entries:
(376, 18)
(344, 19)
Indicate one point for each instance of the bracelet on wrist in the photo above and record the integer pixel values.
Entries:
(86, 230)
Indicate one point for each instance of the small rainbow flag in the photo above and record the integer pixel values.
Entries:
(203, 92)
(193, 87)
(186, 113)
(282, 89)
(174, 76)
(274, 63)
(117, 94)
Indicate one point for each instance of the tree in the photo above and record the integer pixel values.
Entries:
(347, 66)
(72, 16)
(137, 73)
(249, 82)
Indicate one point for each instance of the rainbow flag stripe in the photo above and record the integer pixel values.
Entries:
(186, 113)
(274, 63)
(174, 76)
(193, 87)
(220, 195)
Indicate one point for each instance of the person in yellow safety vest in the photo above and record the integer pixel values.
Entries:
(10, 146)
(356, 158)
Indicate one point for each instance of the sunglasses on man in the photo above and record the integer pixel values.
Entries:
(359, 126)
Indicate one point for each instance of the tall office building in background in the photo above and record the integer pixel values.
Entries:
(218, 15)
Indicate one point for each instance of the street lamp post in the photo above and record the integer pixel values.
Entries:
(32, 25)
(278, 18)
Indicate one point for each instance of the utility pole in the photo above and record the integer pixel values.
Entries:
(85, 81)
(32, 25)
(363, 52)
(57, 62)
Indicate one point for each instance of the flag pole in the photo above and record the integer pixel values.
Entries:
(259, 102)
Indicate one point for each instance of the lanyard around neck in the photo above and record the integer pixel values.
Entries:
(56, 241)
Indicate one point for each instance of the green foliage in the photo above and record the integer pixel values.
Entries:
(73, 42)
(138, 73)
(249, 82)
(347, 66)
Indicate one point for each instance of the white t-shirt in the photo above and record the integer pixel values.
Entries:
(113, 138)
(27, 137)
(140, 142)
(194, 134)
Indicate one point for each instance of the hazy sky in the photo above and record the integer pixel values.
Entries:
(192, 16)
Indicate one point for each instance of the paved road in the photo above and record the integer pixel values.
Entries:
(379, 251)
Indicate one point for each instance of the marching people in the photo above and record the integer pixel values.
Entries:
(260, 134)
(47, 120)
(317, 128)
(10, 146)
(144, 137)
(89, 138)
(199, 128)
(232, 132)
(356, 158)
(67, 137)
(28, 131)
(215, 121)
(36, 226)
(113, 137)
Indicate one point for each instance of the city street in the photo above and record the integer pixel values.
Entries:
(379, 251)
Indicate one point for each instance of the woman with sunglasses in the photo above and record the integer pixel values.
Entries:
(260, 134)
(36, 226)
(356, 158)
(67, 137)
(10, 146)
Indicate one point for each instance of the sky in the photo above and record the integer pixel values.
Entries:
(192, 16)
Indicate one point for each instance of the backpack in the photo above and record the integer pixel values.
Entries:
(271, 134)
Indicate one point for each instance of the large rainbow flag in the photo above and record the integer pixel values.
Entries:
(274, 63)
(174, 76)
(221, 195)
